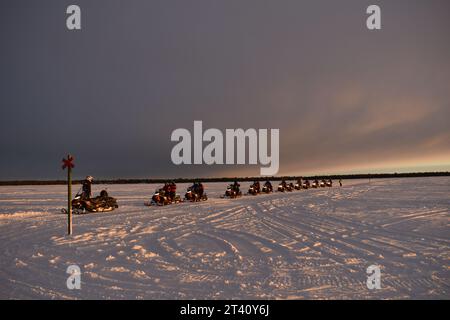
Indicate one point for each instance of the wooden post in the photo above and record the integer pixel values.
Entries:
(68, 163)
(69, 199)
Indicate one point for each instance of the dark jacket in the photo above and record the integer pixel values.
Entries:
(87, 193)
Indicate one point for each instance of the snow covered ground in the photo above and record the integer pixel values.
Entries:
(308, 244)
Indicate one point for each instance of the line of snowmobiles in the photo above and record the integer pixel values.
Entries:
(195, 193)
(233, 190)
(304, 184)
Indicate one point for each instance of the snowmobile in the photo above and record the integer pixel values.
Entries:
(306, 184)
(232, 192)
(101, 203)
(329, 183)
(192, 195)
(315, 184)
(160, 198)
(254, 189)
(267, 188)
(322, 183)
(281, 187)
(290, 187)
(298, 185)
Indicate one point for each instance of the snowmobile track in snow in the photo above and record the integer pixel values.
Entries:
(308, 244)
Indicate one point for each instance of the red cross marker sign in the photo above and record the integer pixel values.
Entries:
(68, 163)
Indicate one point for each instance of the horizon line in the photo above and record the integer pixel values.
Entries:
(230, 178)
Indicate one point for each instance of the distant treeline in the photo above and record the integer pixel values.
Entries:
(229, 179)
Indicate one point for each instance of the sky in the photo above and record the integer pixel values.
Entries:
(346, 99)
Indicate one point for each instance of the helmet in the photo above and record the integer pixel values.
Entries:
(90, 178)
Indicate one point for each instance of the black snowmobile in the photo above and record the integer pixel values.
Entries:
(315, 184)
(267, 188)
(254, 189)
(306, 184)
(193, 194)
(232, 192)
(101, 203)
(329, 183)
(298, 184)
(322, 183)
(290, 187)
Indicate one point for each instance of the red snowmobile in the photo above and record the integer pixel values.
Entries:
(163, 197)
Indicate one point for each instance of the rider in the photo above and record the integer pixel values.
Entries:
(236, 186)
(194, 187)
(200, 189)
(173, 190)
(86, 188)
(166, 189)
(256, 186)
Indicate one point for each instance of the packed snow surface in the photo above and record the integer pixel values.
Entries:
(307, 244)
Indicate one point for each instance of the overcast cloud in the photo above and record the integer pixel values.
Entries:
(345, 99)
